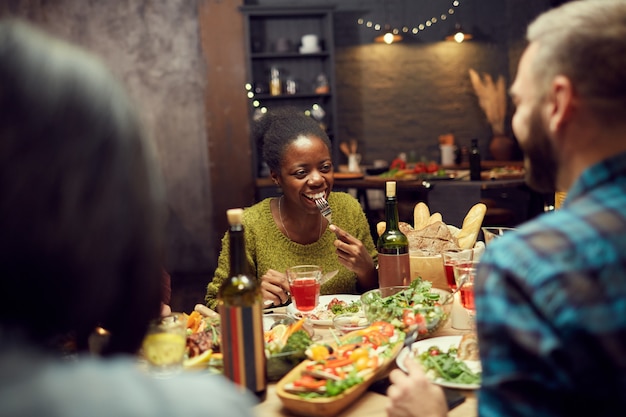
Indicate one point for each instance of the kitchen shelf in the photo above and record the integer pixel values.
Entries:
(273, 35)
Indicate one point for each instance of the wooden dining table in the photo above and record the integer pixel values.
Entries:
(372, 403)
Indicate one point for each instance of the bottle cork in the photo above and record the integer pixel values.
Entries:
(390, 187)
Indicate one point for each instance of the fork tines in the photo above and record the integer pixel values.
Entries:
(324, 208)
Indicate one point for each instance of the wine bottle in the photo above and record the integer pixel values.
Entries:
(474, 160)
(240, 306)
(393, 245)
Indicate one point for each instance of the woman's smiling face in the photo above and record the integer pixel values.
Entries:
(306, 172)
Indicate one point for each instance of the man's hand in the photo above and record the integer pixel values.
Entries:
(413, 395)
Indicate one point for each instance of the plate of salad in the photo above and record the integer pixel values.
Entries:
(438, 356)
(329, 306)
(334, 375)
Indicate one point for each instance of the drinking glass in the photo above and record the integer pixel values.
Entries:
(464, 274)
(163, 346)
(490, 233)
(304, 285)
(457, 256)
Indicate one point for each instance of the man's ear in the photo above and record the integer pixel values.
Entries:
(560, 103)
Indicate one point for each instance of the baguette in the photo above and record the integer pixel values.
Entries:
(421, 215)
(434, 218)
(381, 227)
(471, 226)
(403, 226)
(468, 348)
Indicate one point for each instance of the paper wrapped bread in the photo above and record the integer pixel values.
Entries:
(431, 234)
(435, 238)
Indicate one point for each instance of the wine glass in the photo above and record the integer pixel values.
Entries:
(464, 274)
(490, 233)
(304, 286)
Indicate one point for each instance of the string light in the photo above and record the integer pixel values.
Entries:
(415, 30)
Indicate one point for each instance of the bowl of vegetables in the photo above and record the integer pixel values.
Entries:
(286, 340)
(418, 305)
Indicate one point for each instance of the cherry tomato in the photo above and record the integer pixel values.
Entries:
(432, 167)
(419, 168)
(408, 318)
(434, 352)
(398, 163)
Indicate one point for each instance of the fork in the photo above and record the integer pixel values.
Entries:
(324, 208)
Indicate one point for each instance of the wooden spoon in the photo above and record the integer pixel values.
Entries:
(344, 148)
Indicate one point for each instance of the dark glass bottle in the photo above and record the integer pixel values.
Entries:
(240, 306)
(474, 161)
(393, 245)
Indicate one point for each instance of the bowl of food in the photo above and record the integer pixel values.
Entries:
(418, 305)
(349, 322)
(286, 340)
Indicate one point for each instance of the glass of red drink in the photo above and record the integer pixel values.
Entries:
(304, 285)
(464, 274)
(457, 256)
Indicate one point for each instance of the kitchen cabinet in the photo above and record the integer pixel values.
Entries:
(290, 61)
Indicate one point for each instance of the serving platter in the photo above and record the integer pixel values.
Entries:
(324, 317)
(328, 406)
(444, 343)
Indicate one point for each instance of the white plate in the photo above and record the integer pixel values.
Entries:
(323, 306)
(444, 343)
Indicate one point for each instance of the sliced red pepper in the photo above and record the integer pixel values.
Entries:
(377, 339)
(338, 363)
(307, 381)
(383, 327)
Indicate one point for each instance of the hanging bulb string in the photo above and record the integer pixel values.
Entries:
(405, 29)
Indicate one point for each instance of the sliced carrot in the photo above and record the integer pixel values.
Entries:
(193, 321)
(294, 328)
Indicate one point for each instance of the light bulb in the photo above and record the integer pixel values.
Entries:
(459, 37)
(388, 38)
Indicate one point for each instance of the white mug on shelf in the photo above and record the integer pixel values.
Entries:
(354, 159)
(447, 154)
(309, 43)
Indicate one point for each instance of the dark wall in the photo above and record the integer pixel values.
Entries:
(153, 47)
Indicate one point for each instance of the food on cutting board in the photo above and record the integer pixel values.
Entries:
(353, 359)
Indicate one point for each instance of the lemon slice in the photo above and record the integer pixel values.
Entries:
(279, 333)
(198, 360)
(164, 348)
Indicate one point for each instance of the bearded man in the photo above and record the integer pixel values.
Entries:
(551, 297)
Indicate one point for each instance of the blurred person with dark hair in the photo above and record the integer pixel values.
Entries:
(551, 296)
(80, 242)
(290, 230)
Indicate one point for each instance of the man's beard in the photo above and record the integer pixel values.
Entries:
(539, 157)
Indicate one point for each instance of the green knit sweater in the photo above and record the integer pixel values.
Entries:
(267, 248)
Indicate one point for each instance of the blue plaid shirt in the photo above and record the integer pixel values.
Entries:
(551, 306)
